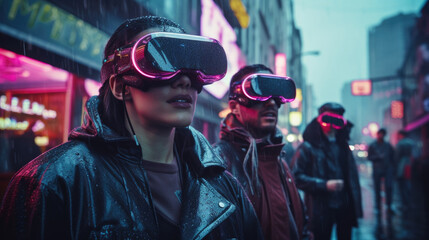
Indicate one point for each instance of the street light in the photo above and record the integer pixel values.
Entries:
(301, 54)
(296, 74)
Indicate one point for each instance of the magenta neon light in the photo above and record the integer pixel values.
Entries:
(204, 78)
(280, 64)
(214, 25)
(332, 115)
(133, 60)
(260, 98)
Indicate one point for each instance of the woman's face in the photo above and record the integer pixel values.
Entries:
(171, 105)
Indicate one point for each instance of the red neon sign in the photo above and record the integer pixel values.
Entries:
(397, 109)
(361, 87)
(280, 61)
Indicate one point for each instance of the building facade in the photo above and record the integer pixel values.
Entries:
(388, 45)
(51, 54)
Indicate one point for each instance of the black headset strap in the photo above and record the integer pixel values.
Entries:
(127, 116)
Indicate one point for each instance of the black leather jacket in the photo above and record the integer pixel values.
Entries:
(311, 169)
(94, 187)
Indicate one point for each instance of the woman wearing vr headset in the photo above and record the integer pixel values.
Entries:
(135, 169)
(252, 146)
(326, 171)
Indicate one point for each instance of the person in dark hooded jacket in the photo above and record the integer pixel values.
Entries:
(135, 169)
(326, 171)
(252, 146)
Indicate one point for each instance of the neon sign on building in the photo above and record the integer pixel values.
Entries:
(361, 87)
(27, 107)
(214, 25)
(12, 124)
(280, 64)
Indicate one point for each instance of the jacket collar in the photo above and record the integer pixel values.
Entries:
(233, 131)
(197, 150)
(93, 127)
(188, 139)
(204, 209)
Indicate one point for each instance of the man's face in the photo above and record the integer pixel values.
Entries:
(380, 136)
(326, 128)
(260, 119)
(330, 121)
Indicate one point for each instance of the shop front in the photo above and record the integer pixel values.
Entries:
(48, 58)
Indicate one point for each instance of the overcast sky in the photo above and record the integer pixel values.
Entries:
(339, 30)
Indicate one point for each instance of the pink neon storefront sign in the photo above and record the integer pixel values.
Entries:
(214, 25)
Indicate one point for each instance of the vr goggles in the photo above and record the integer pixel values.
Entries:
(161, 56)
(262, 87)
(335, 120)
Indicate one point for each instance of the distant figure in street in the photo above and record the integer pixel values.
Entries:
(253, 149)
(326, 171)
(381, 154)
(405, 153)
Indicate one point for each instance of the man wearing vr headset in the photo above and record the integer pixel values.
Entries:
(135, 169)
(252, 146)
(326, 171)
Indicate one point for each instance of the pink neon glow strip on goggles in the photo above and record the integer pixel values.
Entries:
(261, 87)
(335, 120)
(163, 55)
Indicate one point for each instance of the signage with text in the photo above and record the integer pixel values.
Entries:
(397, 109)
(43, 24)
(361, 87)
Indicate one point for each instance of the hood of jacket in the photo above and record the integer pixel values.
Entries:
(187, 139)
(231, 130)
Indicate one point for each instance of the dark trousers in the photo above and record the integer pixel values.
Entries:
(388, 184)
(405, 192)
(340, 217)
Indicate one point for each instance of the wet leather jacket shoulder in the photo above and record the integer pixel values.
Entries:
(94, 187)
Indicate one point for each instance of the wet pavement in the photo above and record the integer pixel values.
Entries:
(385, 225)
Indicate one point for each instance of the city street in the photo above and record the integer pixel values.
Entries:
(387, 226)
(118, 118)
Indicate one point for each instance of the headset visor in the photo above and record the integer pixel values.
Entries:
(161, 56)
(262, 87)
(335, 120)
